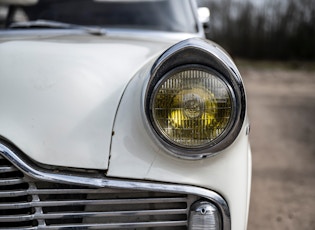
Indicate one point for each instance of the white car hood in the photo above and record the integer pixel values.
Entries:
(59, 95)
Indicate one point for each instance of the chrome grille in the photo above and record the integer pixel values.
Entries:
(26, 203)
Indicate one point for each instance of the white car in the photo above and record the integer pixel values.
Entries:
(119, 115)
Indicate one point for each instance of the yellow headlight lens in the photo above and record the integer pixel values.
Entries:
(192, 108)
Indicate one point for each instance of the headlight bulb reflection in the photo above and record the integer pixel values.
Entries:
(198, 109)
(193, 104)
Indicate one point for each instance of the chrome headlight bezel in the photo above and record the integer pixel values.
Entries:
(197, 54)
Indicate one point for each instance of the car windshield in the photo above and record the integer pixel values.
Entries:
(163, 15)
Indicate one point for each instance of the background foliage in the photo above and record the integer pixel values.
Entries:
(275, 29)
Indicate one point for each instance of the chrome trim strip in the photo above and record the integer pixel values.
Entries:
(12, 154)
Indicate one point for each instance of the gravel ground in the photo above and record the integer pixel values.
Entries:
(282, 115)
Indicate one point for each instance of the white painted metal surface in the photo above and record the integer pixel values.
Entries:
(59, 95)
(135, 154)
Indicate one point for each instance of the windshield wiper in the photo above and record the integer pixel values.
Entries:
(57, 25)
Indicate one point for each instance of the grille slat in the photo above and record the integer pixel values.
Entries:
(13, 193)
(5, 206)
(13, 218)
(160, 224)
(11, 181)
(18, 228)
(117, 213)
(107, 202)
(56, 203)
(16, 218)
(6, 169)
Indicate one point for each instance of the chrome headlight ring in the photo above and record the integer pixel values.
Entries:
(195, 100)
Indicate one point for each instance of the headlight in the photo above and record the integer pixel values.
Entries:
(192, 107)
(194, 100)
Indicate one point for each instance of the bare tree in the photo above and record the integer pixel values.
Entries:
(276, 30)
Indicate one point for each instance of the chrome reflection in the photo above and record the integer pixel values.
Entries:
(99, 181)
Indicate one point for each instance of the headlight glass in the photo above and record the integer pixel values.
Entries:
(192, 107)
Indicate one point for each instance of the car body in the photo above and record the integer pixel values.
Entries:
(100, 128)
